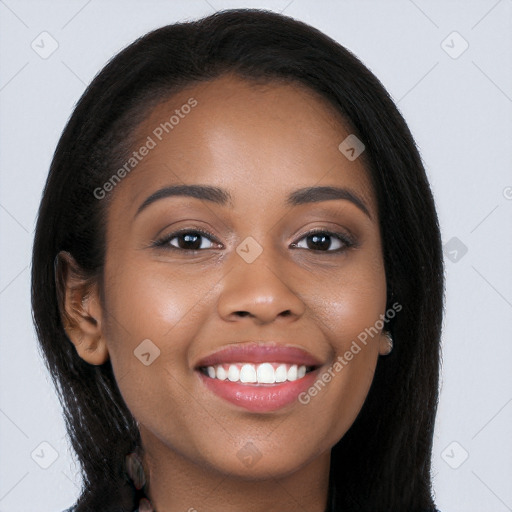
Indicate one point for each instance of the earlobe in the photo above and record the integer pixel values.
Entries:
(80, 309)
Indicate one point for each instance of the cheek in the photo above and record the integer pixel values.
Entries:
(150, 310)
(358, 311)
(351, 317)
(151, 316)
(342, 386)
(151, 300)
(354, 301)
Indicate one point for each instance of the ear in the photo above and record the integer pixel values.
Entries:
(80, 309)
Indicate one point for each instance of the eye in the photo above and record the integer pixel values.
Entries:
(324, 241)
(197, 239)
(186, 240)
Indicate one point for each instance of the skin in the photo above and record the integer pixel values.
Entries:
(260, 143)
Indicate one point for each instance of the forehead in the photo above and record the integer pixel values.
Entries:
(254, 139)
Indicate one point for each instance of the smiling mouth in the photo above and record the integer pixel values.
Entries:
(263, 374)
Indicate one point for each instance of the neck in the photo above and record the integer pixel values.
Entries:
(176, 484)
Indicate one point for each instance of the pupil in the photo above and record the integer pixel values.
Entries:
(320, 241)
(190, 239)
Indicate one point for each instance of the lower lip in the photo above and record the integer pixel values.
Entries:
(260, 398)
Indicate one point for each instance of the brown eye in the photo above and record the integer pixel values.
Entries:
(186, 240)
(324, 241)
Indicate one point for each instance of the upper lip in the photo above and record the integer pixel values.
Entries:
(259, 352)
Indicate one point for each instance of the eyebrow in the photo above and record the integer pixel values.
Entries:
(223, 197)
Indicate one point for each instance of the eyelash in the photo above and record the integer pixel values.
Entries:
(163, 242)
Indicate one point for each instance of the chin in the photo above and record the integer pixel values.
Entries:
(252, 464)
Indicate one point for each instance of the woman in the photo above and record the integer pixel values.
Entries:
(237, 278)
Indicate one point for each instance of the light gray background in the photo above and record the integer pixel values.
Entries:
(459, 110)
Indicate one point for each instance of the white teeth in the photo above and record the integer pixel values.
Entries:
(247, 373)
(221, 373)
(281, 373)
(292, 372)
(233, 373)
(264, 373)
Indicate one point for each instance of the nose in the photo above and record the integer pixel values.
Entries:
(256, 290)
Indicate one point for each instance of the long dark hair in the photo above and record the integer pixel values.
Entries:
(383, 461)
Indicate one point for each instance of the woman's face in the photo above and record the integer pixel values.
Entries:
(260, 297)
